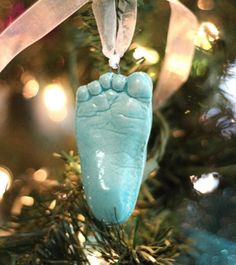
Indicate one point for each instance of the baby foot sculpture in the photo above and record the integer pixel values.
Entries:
(113, 122)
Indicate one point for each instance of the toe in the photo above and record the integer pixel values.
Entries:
(140, 86)
(105, 80)
(82, 94)
(94, 88)
(118, 82)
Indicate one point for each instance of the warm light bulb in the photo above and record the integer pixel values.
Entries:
(52, 205)
(139, 53)
(206, 183)
(59, 115)
(27, 200)
(40, 175)
(151, 56)
(5, 180)
(207, 33)
(205, 4)
(54, 97)
(31, 89)
(55, 100)
(93, 260)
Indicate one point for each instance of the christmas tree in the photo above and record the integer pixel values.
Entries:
(185, 213)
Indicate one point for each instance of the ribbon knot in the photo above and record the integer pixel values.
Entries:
(114, 61)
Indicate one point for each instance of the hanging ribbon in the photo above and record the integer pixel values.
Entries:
(178, 54)
(116, 35)
(32, 25)
(176, 66)
(115, 42)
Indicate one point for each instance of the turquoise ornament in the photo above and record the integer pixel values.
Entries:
(113, 123)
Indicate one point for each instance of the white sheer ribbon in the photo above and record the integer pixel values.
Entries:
(177, 62)
(45, 15)
(32, 25)
(178, 54)
(115, 42)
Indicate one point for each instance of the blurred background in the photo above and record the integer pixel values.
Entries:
(197, 173)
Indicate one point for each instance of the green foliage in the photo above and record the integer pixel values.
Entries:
(67, 232)
(182, 143)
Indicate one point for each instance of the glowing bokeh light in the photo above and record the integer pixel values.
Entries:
(211, 30)
(205, 4)
(55, 101)
(31, 85)
(31, 89)
(152, 74)
(54, 97)
(40, 175)
(93, 260)
(5, 180)
(59, 115)
(177, 64)
(52, 205)
(81, 237)
(207, 183)
(207, 33)
(27, 200)
(151, 56)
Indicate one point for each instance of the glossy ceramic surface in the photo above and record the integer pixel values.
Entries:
(113, 123)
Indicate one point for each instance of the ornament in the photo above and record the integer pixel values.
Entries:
(113, 114)
(113, 122)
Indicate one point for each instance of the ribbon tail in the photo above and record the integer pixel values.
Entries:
(178, 54)
(127, 17)
(35, 23)
(105, 15)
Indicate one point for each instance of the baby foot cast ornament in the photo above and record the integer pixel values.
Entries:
(113, 123)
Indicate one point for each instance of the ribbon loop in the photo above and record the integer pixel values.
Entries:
(126, 25)
(105, 15)
(115, 42)
(179, 52)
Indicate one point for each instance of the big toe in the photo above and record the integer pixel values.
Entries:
(140, 86)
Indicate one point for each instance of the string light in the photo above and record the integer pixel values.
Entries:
(31, 85)
(52, 205)
(54, 97)
(207, 33)
(206, 183)
(55, 101)
(205, 4)
(94, 259)
(40, 175)
(81, 237)
(151, 56)
(27, 200)
(31, 89)
(5, 180)
(152, 74)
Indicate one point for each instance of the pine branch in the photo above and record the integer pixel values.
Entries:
(68, 232)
